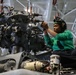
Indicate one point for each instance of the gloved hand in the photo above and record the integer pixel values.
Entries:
(44, 25)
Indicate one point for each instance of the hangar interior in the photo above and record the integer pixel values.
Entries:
(22, 47)
(41, 10)
(65, 8)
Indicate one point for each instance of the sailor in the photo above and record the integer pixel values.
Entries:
(62, 41)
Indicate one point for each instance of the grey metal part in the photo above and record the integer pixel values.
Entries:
(23, 72)
(27, 72)
(16, 57)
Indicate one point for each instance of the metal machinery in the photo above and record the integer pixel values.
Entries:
(22, 45)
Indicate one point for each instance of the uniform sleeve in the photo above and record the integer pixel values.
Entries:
(48, 40)
(64, 36)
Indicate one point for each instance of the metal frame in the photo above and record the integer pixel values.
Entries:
(46, 12)
(74, 28)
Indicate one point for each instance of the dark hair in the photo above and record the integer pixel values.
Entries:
(60, 22)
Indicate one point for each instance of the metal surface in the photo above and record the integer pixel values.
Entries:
(27, 72)
(16, 57)
(23, 72)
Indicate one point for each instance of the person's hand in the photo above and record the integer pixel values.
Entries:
(44, 25)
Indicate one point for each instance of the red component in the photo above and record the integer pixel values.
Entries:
(1, 6)
(1, 1)
(54, 2)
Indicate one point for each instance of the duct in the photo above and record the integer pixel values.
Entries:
(64, 9)
(49, 9)
(9, 3)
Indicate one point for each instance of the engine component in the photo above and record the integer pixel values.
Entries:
(55, 64)
(18, 20)
(34, 65)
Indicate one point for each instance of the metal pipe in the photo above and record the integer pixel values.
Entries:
(59, 11)
(74, 24)
(69, 12)
(20, 3)
(49, 9)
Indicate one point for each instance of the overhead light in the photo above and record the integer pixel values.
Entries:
(27, 10)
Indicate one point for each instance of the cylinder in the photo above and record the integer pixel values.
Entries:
(54, 59)
(35, 65)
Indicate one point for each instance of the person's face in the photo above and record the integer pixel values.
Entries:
(57, 28)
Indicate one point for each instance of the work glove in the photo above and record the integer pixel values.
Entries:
(44, 25)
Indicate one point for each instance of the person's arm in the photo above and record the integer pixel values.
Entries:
(47, 29)
(48, 40)
(51, 32)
